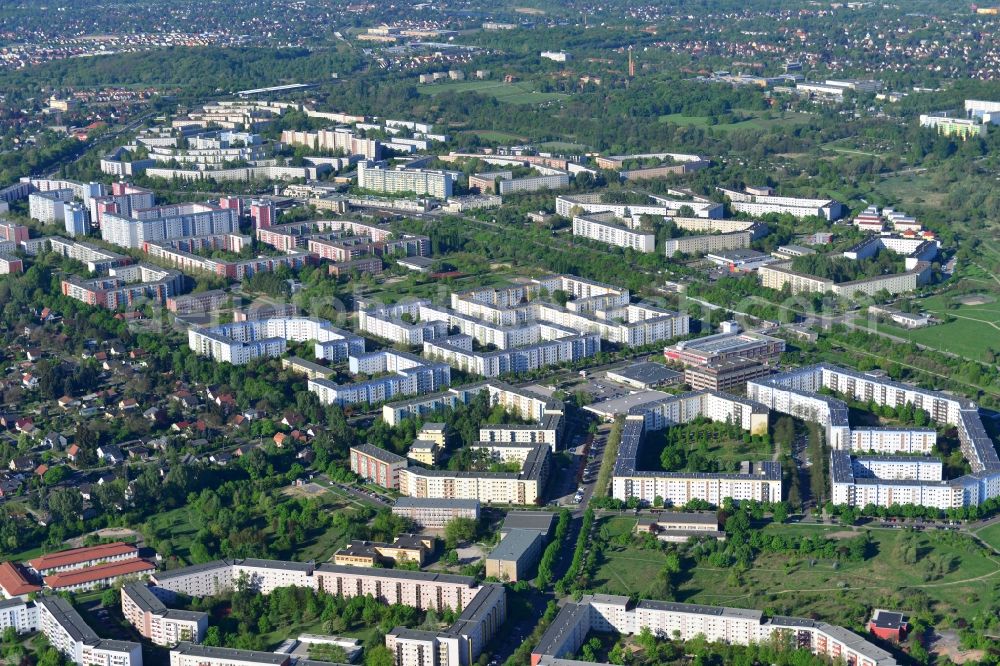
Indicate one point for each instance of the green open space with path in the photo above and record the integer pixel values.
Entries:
(784, 582)
(755, 120)
(518, 92)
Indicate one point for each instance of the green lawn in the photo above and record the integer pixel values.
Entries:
(760, 120)
(837, 592)
(912, 188)
(180, 527)
(991, 535)
(520, 92)
(794, 585)
(499, 137)
(626, 570)
(975, 327)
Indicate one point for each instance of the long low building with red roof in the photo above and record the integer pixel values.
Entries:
(14, 583)
(101, 575)
(76, 558)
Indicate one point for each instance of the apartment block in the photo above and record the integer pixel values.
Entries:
(679, 621)
(70, 635)
(893, 440)
(419, 182)
(126, 287)
(795, 392)
(483, 607)
(241, 342)
(759, 481)
(524, 487)
(161, 625)
(603, 228)
(342, 140)
(98, 576)
(377, 465)
(17, 233)
(761, 201)
(10, 265)
(198, 303)
(167, 222)
(398, 374)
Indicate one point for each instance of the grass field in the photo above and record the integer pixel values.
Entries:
(499, 137)
(760, 120)
(912, 188)
(509, 93)
(822, 588)
(562, 146)
(629, 570)
(974, 328)
(991, 535)
(834, 591)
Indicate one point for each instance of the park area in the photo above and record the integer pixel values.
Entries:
(517, 92)
(946, 570)
(970, 322)
(751, 120)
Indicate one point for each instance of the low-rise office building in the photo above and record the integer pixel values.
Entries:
(515, 555)
(435, 513)
(404, 548)
(679, 526)
(726, 346)
(726, 375)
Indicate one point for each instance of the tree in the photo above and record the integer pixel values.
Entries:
(110, 597)
(379, 655)
(460, 530)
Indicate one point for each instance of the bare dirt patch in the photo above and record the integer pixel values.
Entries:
(945, 645)
(975, 299)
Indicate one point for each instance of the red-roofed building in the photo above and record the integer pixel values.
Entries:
(101, 575)
(76, 558)
(13, 582)
(889, 625)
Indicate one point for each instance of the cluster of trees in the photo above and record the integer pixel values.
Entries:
(778, 651)
(744, 543)
(687, 447)
(243, 618)
(842, 269)
(13, 651)
(551, 551)
(576, 578)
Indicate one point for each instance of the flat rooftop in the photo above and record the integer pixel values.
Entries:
(540, 521)
(647, 373)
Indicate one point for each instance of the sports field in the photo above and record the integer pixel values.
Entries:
(519, 92)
